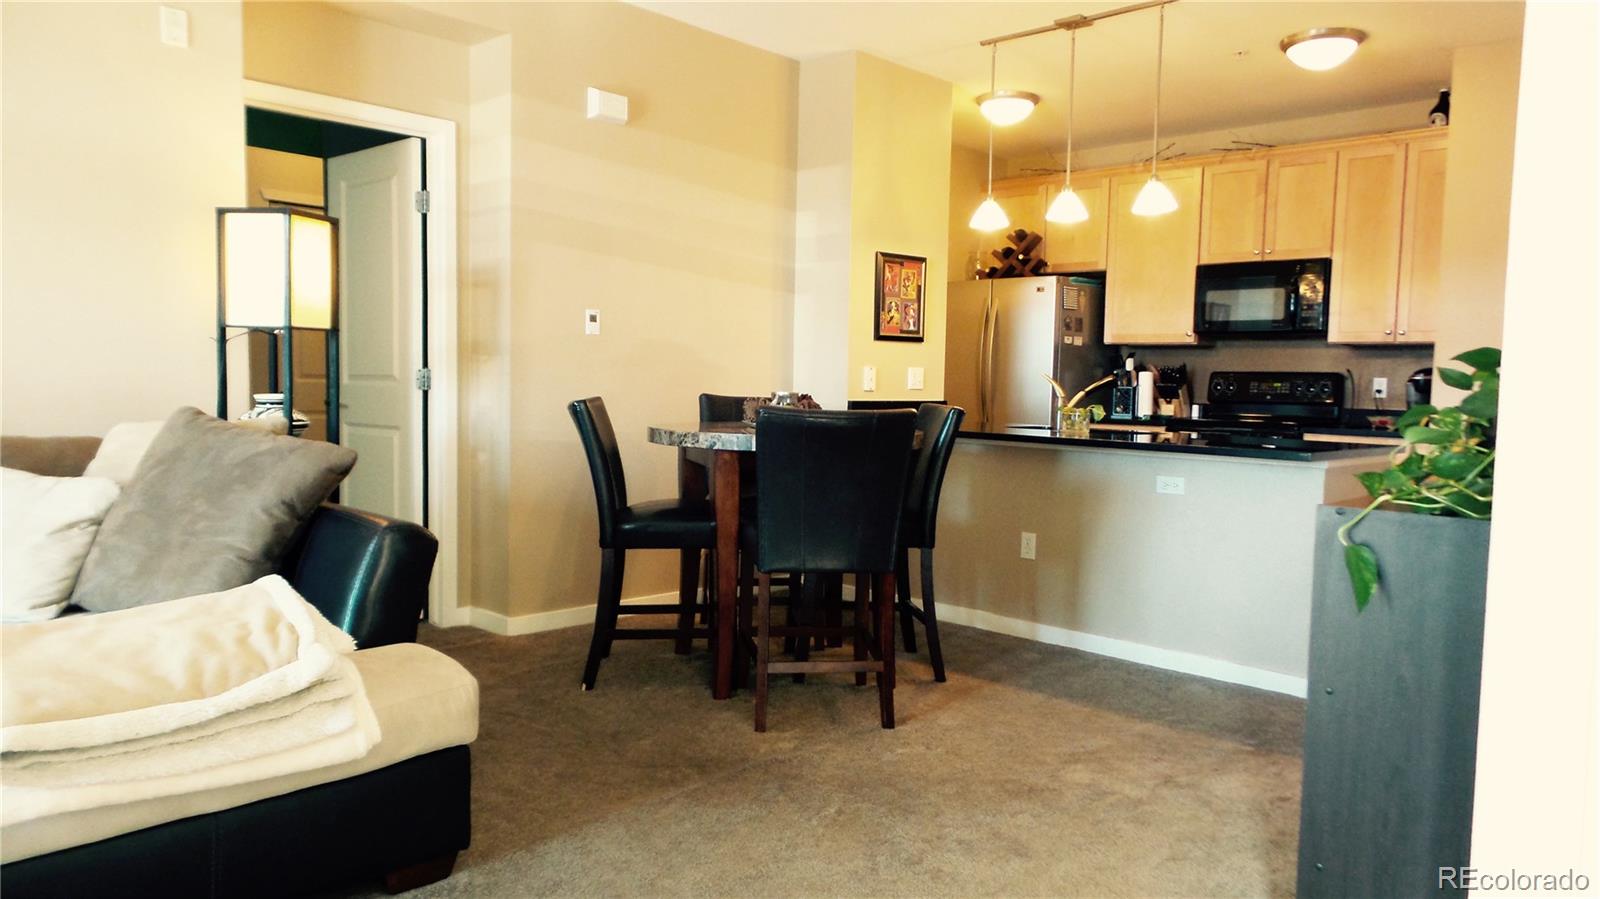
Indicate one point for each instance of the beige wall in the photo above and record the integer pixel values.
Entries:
(900, 176)
(1477, 200)
(273, 176)
(969, 174)
(824, 165)
(678, 226)
(1535, 802)
(116, 150)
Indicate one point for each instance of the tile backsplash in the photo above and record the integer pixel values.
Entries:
(1366, 362)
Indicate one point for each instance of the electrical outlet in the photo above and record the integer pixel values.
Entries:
(869, 378)
(914, 378)
(591, 321)
(174, 27)
(1166, 483)
(1030, 544)
(1380, 388)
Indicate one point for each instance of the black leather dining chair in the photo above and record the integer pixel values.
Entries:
(938, 426)
(687, 525)
(832, 487)
(719, 407)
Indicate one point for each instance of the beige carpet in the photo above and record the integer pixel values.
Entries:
(1035, 771)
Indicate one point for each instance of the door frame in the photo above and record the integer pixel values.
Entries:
(443, 435)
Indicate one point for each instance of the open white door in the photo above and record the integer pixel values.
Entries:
(372, 194)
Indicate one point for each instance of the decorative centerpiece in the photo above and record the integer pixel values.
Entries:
(272, 404)
(1073, 420)
(753, 404)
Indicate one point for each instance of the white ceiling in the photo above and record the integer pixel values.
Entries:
(1223, 68)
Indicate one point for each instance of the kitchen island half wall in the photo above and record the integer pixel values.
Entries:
(1214, 581)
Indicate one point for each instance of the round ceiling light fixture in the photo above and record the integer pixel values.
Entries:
(1007, 107)
(1321, 49)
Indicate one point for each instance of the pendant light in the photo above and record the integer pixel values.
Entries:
(989, 216)
(1156, 198)
(1068, 208)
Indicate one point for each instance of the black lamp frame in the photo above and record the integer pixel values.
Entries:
(281, 362)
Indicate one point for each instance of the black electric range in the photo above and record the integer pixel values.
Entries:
(1254, 408)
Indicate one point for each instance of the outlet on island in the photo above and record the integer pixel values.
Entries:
(1030, 544)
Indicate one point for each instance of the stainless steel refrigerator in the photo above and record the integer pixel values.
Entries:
(1004, 334)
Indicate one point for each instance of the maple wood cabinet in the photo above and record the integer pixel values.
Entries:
(1150, 262)
(1280, 207)
(1080, 247)
(1387, 225)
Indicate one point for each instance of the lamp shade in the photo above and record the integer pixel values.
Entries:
(989, 217)
(1068, 209)
(1155, 198)
(279, 268)
(1321, 49)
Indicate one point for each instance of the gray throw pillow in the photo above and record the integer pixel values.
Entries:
(212, 506)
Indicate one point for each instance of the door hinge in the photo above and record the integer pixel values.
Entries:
(422, 201)
(424, 379)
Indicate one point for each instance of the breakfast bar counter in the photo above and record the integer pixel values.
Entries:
(1160, 440)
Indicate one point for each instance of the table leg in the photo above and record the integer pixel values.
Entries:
(725, 495)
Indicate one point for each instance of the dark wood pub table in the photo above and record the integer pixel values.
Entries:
(716, 450)
(714, 454)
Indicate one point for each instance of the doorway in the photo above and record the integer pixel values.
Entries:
(370, 168)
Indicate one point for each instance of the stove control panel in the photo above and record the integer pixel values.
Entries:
(1276, 388)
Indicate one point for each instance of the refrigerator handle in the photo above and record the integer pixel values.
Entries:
(991, 315)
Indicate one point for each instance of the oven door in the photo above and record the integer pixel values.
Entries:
(1246, 299)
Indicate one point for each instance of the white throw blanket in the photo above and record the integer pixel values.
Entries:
(171, 698)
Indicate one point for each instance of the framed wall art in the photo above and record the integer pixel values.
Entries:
(901, 295)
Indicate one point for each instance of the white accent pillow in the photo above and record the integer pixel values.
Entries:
(124, 446)
(46, 529)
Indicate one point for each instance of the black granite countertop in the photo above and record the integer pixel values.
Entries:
(1247, 446)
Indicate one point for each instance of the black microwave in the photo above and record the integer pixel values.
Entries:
(1281, 298)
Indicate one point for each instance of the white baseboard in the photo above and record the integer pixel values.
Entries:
(539, 622)
(1156, 657)
(1128, 651)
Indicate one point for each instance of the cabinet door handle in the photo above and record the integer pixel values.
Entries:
(1255, 252)
(1269, 252)
(1387, 332)
(1188, 333)
(1402, 332)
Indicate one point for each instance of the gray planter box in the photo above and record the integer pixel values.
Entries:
(1392, 707)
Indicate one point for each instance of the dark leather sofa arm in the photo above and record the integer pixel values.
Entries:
(367, 573)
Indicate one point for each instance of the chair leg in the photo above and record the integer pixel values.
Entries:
(763, 648)
(902, 580)
(833, 599)
(745, 603)
(930, 616)
(708, 580)
(688, 586)
(858, 638)
(885, 594)
(605, 614)
(620, 565)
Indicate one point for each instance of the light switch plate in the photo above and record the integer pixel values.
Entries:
(1030, 544)
(869, 378)
(174, 27)
(1166, 483)
(591, 321)
(914, 378)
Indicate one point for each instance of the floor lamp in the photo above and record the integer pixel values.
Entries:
(278, 270)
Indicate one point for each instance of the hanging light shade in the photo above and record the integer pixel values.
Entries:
(1068, 208)
(1321, 49)
(1007, 107)
(989, 216)
(1156, 198)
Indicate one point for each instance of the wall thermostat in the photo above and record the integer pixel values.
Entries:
(607, 107)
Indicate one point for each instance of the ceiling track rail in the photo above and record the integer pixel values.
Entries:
(1073, 23)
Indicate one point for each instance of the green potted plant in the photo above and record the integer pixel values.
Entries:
(1445, 466)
